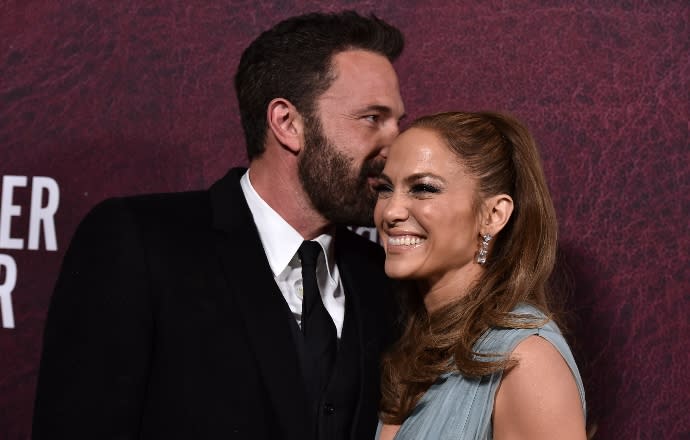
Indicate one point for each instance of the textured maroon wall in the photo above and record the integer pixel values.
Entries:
(112, 98)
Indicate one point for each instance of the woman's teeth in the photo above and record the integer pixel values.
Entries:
(406, 240)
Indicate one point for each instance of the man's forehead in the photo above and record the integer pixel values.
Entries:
(366, 77)
(361, 63)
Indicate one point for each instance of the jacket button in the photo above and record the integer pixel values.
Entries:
(328, 409)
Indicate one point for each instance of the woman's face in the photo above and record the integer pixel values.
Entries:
(425, 213)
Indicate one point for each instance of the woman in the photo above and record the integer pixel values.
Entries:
(468, 225)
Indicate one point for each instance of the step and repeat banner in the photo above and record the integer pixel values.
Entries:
(44, 201)
(102, 99)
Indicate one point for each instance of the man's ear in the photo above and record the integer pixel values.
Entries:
(496, 213)
(286, 124)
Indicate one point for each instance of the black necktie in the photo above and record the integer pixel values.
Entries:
(320, 339)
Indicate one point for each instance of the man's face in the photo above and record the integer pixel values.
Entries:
(346, 143)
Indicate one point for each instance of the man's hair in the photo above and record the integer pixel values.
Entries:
(293, 60)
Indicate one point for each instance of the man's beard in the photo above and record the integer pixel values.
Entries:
(339, 192)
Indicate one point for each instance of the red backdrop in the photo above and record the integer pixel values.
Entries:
(114, 98)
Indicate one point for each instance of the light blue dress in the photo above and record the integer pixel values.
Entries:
(459, 408)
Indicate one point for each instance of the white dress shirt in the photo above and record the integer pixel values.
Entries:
(281, 242)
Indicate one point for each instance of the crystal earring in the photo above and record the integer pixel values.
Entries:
(484, 248)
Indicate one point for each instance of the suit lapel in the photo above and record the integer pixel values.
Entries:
(364, 283)
(261, 304)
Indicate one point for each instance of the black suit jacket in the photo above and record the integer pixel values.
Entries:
(166, 323)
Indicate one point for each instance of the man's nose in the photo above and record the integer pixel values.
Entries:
(390, 133)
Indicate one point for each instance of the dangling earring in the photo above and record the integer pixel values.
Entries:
(484, 248)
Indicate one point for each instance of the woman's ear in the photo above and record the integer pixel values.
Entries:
(286, 124)
(497, 212)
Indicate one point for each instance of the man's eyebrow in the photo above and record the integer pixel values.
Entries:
(377, 108)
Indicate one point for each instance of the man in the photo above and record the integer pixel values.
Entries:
(181, 315)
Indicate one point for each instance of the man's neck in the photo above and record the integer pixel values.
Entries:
(283, 192)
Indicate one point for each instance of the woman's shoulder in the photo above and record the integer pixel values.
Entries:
(544, 377)
(541, 393)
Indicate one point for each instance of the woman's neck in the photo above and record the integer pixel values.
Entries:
(441, 290)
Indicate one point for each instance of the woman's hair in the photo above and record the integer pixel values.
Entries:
(501, 155)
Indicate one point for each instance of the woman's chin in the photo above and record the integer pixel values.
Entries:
(398, 273)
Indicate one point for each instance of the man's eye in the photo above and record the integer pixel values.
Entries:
(372, 118)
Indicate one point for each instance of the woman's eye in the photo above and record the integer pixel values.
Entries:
(424, 188)
(382, 189)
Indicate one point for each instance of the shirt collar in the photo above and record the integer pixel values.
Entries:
(279, 239)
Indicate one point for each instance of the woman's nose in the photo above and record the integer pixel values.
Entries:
(395, 211)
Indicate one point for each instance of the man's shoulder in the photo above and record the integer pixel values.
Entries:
(359, 254)
(170, 205)
(354, 242)
(173, 206)
(152, 215)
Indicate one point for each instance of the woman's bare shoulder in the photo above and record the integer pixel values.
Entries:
(538, 398)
